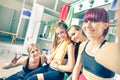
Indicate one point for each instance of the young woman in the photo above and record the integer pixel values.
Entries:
(77, 36)
(30, 63)
(61, 59)
(94, 55)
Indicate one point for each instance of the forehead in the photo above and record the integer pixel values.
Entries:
(72, 30)
(59, 29)
(34, 47)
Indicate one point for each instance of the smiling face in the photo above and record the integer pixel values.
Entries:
(35, 52)
(74, 34)
(96, 23)
(94, 29)
(61, 33)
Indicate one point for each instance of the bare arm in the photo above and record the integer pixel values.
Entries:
(43, 59)
(78, 65)
(71, 61)
(16, 61)
(109, 56)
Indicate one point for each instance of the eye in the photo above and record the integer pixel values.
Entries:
(33, 52)
(73, 34)
(57, 33)
(62, 32)
(36, 49)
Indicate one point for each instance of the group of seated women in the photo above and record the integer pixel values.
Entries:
(82, 53)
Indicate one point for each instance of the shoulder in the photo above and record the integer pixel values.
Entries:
(71, 45)
(82, 45)
(43, 58)
(109, 54)
(23, 60)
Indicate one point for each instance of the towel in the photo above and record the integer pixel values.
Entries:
(69, 16)
(64, 12)
(60, 51)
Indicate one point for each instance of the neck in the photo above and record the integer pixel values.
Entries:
(96, 42)
(34, 60)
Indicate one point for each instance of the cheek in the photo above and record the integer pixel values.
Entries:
(64, 34)
(83, 27)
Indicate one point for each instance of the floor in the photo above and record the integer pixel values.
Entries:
(7, 52)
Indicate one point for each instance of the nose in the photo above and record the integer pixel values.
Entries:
(73, 38)
(88, 24)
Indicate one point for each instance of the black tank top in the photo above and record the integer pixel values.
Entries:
(90, 64)
(26, 68)
(76, 50)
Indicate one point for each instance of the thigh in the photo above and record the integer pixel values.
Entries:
(12, 77)
(33, 78)
(53, 75)
(16, 76)
(36, 71)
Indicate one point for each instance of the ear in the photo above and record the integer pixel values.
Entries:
(106, 25)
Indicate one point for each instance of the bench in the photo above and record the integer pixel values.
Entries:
(13, 35)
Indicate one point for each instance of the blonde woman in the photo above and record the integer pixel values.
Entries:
(61, 58)
(30, 63)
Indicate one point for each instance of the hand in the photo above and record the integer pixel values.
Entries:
(53, 64)
(49, 60)
(15, 59)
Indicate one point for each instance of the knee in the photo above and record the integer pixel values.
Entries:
(31, 78)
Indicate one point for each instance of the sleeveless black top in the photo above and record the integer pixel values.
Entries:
(76, 51)
(90, 64)
(26, 68)
(76, 54)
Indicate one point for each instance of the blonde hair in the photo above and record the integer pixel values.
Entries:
(76, 27)
(29, 47)
(56, 39)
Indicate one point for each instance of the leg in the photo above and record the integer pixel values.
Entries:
(36, 71)
(1, 79)
(12, 77)
(53, 75)
(18, 75)
(36, 77)
(33, 78)
(49, 75)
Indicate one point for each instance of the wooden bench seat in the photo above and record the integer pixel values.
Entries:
(13, 35)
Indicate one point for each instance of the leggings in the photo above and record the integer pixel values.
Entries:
(17, 76)
(48, 73)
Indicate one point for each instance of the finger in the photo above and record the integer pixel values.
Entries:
(15, 55)
(19, 57)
